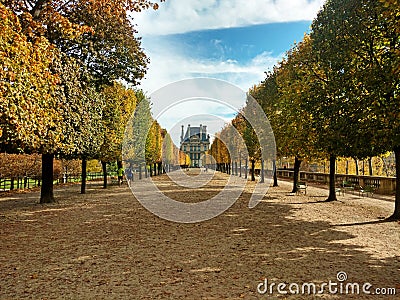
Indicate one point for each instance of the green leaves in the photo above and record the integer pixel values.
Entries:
(355, 47)
(120, 104)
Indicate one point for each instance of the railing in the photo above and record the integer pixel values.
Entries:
(27, 182)
(387, 185)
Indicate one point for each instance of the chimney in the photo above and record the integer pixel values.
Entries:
(189, 131)
(205, 129)
(201, 129)
(182, 134)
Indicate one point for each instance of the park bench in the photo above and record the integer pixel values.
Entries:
(368, 189)
(301, 186)
(348, 186)
(339, 190)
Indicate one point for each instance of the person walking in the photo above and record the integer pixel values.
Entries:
(120, 176)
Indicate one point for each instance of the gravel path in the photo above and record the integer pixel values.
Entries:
(105, 245)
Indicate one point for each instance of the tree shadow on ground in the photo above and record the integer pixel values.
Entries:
(381, 221)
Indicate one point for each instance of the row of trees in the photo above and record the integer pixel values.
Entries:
(61, 64)
(147, 144)
(238, 141)
(336, 93)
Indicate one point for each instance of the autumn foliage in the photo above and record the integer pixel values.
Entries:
(60, 64)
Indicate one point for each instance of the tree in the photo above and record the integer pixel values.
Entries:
(27, 107)
(169, 151)
(359, 41)
(281, 95)
(32, 120)
(296, 135)
(143, 142)
(220, 152)
(250, 141)
(82, 107)
(110, 50)
(98, 33)
(267, 95)
(120, 104)
(153, 146)
(339, 119)
(69, 26)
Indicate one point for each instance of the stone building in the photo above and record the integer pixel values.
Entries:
(195, 143)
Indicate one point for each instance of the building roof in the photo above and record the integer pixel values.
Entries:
(196, 131)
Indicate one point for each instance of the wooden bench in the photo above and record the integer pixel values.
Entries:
(301, 186)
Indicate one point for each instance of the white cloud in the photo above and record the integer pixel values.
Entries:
(197, 101)
(171, 62)
(168, 65)
(179, 16)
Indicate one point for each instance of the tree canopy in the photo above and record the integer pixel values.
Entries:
(336, 92)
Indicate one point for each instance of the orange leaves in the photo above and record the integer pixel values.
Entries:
(25, 82)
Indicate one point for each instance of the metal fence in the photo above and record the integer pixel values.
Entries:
(27, 182)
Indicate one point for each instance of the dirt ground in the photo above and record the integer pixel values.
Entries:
(106, 245)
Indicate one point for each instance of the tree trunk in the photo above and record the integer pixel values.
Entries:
(83, 173)
(363, 168)
(357, 170)
(38, 8)
(370, 166)
(160, 169)
(262, 171)
(46, 193)
(240, 168)
(253, 163)
(275, 173)
(140, 172)
(332, 179)
(245, 169)
(396, 213)
(104, 167)
(296, 171)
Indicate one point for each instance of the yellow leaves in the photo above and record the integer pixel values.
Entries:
(25, 81)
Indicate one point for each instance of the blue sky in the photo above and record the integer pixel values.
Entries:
(233, 40)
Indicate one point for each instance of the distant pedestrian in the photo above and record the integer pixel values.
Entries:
(120, 175)
(129, 175)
